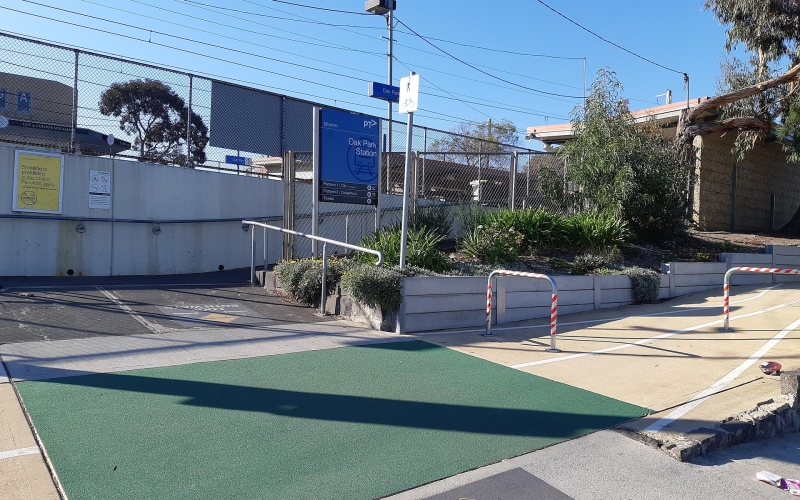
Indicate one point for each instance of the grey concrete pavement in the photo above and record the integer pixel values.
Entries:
(608, 466)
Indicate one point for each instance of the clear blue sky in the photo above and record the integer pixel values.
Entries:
(677, 34)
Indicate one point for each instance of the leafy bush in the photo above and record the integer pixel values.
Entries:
(596, 231)
(617, 165)
(540, 228)
(594, 261)
(421, 248)
(471, 216)
(493, 243)
(591, 261)
(558, 263)
(303, 278)
(437, 218)
(727, 247)
(644, 284)
(376, 286)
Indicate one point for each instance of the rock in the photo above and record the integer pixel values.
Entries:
(790, 383)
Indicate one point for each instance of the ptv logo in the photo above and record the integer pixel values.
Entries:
(370, 123)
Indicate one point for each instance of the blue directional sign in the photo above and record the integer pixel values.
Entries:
(349, 161)
(237, 160)
(385, 92)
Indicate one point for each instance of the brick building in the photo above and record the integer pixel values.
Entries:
(759, 193)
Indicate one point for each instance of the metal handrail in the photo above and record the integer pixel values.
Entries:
(553, 303)
(727, 285)
(324, 241)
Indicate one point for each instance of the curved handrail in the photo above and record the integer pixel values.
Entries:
(553, 303)
(726, 288)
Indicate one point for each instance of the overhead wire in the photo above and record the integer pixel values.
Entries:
(187, 39)
(230, 37)
(303, 40)
(309, 21)
(373, 74)
(482, 71)
(610, 42)
(449, 118)
(445, 55)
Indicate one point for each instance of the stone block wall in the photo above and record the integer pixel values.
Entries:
(764, 171)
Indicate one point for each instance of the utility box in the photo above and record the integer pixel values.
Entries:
(380, 6)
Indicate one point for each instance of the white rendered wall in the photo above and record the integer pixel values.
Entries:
(140, 191)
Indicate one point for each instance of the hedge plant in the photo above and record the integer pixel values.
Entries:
(644, 284)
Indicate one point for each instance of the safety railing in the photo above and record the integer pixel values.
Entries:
(553, 303)
(727, 285)
(324, 241)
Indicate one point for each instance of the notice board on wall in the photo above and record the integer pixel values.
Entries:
(38, 182)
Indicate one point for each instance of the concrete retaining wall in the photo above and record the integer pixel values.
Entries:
(140, 191)
(437, 303)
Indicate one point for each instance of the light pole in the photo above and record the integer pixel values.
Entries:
(386, 7)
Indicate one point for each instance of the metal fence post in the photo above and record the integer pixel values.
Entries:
(288, 203)
(415, 192)
(252, 255)
(74, 104)
(480, 164)
(424, 154)
(315, 183)
(512, 182)
(266, 252)
(324, 295)
(189, 162)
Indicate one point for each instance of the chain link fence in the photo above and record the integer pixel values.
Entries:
(82, 102)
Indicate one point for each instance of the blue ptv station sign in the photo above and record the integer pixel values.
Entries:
(349, 158)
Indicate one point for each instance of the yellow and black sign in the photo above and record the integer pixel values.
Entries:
(38, 182)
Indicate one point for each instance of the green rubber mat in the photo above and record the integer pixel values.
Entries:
(349, 423)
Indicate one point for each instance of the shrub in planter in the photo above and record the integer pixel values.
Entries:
(644, 284)
(493, 243)
(436, 218)
(421, 250)
(539, 227)
(596, 230)
(303, 278)
(372, 285)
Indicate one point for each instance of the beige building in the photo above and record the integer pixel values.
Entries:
(759, 193)
(39, 112)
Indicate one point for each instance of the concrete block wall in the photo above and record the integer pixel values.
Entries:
(763, 171)
(436, 303)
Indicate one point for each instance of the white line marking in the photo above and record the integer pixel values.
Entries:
(150, 326)
(721, 383)
(33, 450)
(648, 340)
(547, 325)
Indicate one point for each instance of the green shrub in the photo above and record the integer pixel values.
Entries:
(471, 216)
(596, 231)
(644, 284)
(540, 228)
(727, 247)
(303, 278)
(437, 218)
(493, 243)
(421, 250)
(579, 269)
(376, 286)
(558, 263)
(591, 261)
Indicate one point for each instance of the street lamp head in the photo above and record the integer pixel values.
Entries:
(380, 7)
